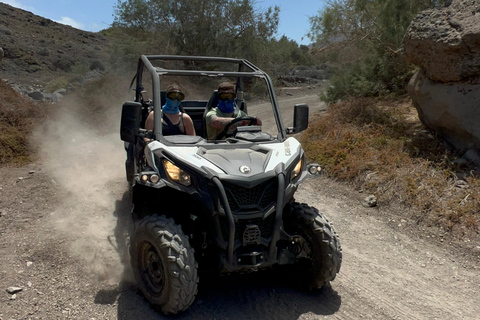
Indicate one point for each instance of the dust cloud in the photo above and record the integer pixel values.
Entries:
(88, 168)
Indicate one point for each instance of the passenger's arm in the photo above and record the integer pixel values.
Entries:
(188, 124)
(149, 121)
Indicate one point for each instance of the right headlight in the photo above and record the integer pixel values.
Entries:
(176, 174)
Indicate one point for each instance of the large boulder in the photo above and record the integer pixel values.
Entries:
(450, 109)
(446, 41)
(445, 44)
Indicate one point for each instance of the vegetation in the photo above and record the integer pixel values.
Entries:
(384, 150)
(17, 116)
(207, 27)
(364, 40)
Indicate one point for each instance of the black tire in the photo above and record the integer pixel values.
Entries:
(164, 264)
(325, 256)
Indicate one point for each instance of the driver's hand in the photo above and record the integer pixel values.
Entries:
(258, 122)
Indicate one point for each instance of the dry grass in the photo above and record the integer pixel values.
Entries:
(381, 148)
(18, 116)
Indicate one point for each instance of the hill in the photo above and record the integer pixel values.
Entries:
(38, 51)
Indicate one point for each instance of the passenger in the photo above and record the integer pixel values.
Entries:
(173, 121)
(224, 113)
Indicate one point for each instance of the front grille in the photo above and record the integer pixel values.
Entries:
(264, 225)
(247, 200)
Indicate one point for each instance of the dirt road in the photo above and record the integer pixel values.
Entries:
(63, 223)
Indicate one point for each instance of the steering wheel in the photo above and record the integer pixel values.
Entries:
(252, 121)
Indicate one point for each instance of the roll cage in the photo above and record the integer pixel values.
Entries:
(245, 69)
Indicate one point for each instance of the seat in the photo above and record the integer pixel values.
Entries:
(212, 103)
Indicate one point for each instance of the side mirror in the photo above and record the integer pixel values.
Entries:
(300, 119)
(131, 119)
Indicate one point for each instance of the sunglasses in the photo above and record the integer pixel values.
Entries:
(226, 96)
(175, 95)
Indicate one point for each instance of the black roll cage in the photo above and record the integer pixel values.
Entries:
(245, 70)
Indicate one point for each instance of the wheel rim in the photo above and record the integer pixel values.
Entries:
(152, 269)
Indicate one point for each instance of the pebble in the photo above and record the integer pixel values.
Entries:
(370, 201)
(13, 290)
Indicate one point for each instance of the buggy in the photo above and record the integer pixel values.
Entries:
(225, 204)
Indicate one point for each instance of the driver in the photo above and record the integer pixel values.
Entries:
(225, 112)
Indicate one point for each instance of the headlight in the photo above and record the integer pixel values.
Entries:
(176, 174)
(298, 169)
(149, 177)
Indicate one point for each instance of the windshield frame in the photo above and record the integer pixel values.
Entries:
(245, 70)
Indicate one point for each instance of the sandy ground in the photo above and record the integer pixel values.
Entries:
(64, 222)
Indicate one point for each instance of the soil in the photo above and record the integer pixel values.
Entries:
(65, 220)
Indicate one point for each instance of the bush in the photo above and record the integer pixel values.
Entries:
(55, 84)
(379, 149)
(17, 119)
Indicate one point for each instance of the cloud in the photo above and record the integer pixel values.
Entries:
(70, 22)
(17, 4)
(64, 20)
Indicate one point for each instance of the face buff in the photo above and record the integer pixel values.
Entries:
(171, 106)
(226, 106)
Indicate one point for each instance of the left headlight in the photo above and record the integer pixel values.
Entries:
(298, 169)
(176, 174)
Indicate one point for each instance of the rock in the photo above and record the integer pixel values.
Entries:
(445, 44)
(449, 109)
(446, 41)
(370, 201)
(61, 91)
(13, 290)
(54, 97)
(473, 155)
(1, 53)
(96, 64)
(36, 95)
(461, 184)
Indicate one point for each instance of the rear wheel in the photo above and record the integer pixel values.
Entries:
(164, 264)
(320, 258)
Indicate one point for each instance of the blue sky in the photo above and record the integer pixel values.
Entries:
(95, 15)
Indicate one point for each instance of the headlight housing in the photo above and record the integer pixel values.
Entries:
(176, 174)
(298, 169)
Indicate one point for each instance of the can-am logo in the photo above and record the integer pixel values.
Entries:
(245, 169)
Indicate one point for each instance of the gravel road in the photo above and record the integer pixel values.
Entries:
(64, 219)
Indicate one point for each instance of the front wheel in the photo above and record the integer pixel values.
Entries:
(164, 264)
(321, 256)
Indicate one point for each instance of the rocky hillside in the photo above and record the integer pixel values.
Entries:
(39, 53)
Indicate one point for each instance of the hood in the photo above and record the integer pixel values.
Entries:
(244, 162)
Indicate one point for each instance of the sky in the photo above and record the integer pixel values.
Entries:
(95, 15)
